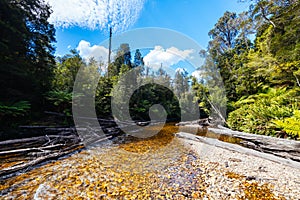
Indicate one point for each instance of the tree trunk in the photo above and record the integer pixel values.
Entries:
(240, 149)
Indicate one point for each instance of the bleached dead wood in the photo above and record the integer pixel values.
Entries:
(19, 154)
(39, 160)
(289, 149)
(240, 149)
(281, 147)
(26, 150)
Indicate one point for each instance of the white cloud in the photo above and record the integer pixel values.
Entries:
(197, 74)
(119, 14)
(166, 57)
(100, 53)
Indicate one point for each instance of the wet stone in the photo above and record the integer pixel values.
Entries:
(160, 167)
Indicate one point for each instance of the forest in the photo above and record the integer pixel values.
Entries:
(257, 53)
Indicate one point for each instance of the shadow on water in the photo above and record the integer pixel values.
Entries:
(203, 132)
(161, 139)
(166, 135)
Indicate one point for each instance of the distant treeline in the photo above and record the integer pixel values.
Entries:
(257, 53)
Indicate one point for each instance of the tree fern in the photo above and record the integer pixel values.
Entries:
(62, 100)
(14, 110)
(256, 113)
(290, 125)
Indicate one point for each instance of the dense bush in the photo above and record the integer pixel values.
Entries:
(11, 113)
(290, 125)
(256, 114)
(14, 110)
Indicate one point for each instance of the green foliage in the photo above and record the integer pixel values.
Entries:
(26, 50)
(123, 57)
(65, 73)
(66, 70)
(17, 109)
(103, 96)
(224, 33)
(181, 83)
(26, 60)
(261, 80)
(201, 92)
(150, 94)
(284, 43)
(255, 113)
(61, 100)
(228, 50)
(210, 91)
(138, 59)
(188, 105)
(11, 114)
(291, 125)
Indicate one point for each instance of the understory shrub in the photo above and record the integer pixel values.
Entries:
(263, 112)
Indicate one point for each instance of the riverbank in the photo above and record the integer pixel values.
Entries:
(230, 172)
(160, 167)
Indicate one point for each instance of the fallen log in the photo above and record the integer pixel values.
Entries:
(277, 146)
(289, 149)
(56, 114)
(56, 142)
(23, 151)
(45, 137)
(23, 140)
(39, 160)
(35, 150)
(33, 127)
(201, 122)
(237, 148)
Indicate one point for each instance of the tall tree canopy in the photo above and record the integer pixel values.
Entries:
(267, 69)
(26, 49)
(224, 33)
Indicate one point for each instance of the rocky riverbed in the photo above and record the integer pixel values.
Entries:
(236, 175)
(160, 167)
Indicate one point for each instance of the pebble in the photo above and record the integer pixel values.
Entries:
(284, 181)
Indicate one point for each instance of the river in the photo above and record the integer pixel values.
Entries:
(159, 167)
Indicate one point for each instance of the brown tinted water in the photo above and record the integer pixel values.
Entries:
(205, 133)
(159, 167)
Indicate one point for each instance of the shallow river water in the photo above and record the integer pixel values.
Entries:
(160, 167)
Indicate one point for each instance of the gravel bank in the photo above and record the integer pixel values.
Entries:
(228, 172)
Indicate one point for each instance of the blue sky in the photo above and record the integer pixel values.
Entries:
(191, 17)
(83, 25)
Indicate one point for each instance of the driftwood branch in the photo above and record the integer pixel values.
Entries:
(39, 160)
(297, 80)
(14, 151)
(217, 111)
(19, 154)
(54, 142)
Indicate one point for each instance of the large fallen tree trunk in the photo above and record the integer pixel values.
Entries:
(33, 149)
(240, 149)
(38, 160)
(50, 143)
(20, 154)
(289, 149)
